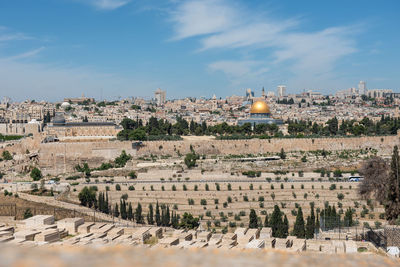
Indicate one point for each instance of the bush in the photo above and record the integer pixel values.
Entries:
(117, 187)
(131, 188)
(203, 202)
(332, 187)
(7, 155)
(132, 175)
(340, 196)
(190, 160)
(124, 197)
(87, 197)
(28, 213)
(36, 174)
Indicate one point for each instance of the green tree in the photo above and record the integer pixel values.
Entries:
(190, 160)
(285, 227)
(116, 210)
(298, 228)
(150, 216)
(158, 215)
(122, 159)
(392, 203)
(7, 155)
(138, 214)
(28, 213)
(282, 154)
(36, 174)
(188, 221)
(87, 197)
(309, 228)
(276, 223)
(130, 212)
(124, 214)
(253, 222)
(266, 223)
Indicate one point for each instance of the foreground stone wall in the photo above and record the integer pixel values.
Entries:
(61, 157)
(392, 234)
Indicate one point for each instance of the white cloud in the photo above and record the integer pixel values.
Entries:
(6, 35)
(221, 25)
(105, 4)
(193, 18)
(27, 54)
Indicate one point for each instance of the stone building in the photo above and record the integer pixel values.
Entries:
(62, 129)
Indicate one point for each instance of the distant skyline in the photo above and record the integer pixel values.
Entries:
(51, 49)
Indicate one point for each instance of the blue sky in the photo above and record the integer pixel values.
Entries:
(120, 48)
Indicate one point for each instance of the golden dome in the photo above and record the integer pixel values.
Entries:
(259, 107)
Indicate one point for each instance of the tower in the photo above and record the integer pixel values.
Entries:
(362, 88)
(159, 96)
(281, 90)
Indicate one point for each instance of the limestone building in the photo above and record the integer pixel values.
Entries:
(81, 130)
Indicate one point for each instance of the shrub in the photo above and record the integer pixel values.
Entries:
(332, 187)
(28, 213)
(340, 196)
(7, 155)
(131, 188)
(203, 202)
(117, 187)
(36, 174)
(132, 175)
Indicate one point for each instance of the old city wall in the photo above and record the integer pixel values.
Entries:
(61, 157)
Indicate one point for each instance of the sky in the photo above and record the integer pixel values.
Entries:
(111, 49)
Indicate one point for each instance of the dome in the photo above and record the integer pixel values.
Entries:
(65, 104)
(259, 107)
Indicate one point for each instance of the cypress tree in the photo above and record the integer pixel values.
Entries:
(150, 217)
(312, 217)
(266, 223)
(107, 205)
(168, 217)
(158, 216)
(317, 224)
(100, 202)
(298, 229)
(285, 227)
(124, 214)
(309, 228)
(138, 214)
(253, 223)
(116, 210)
(392, 200)
(276, 223)
(130, 212)
(163, 216)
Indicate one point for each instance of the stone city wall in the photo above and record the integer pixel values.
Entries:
(61, 157)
